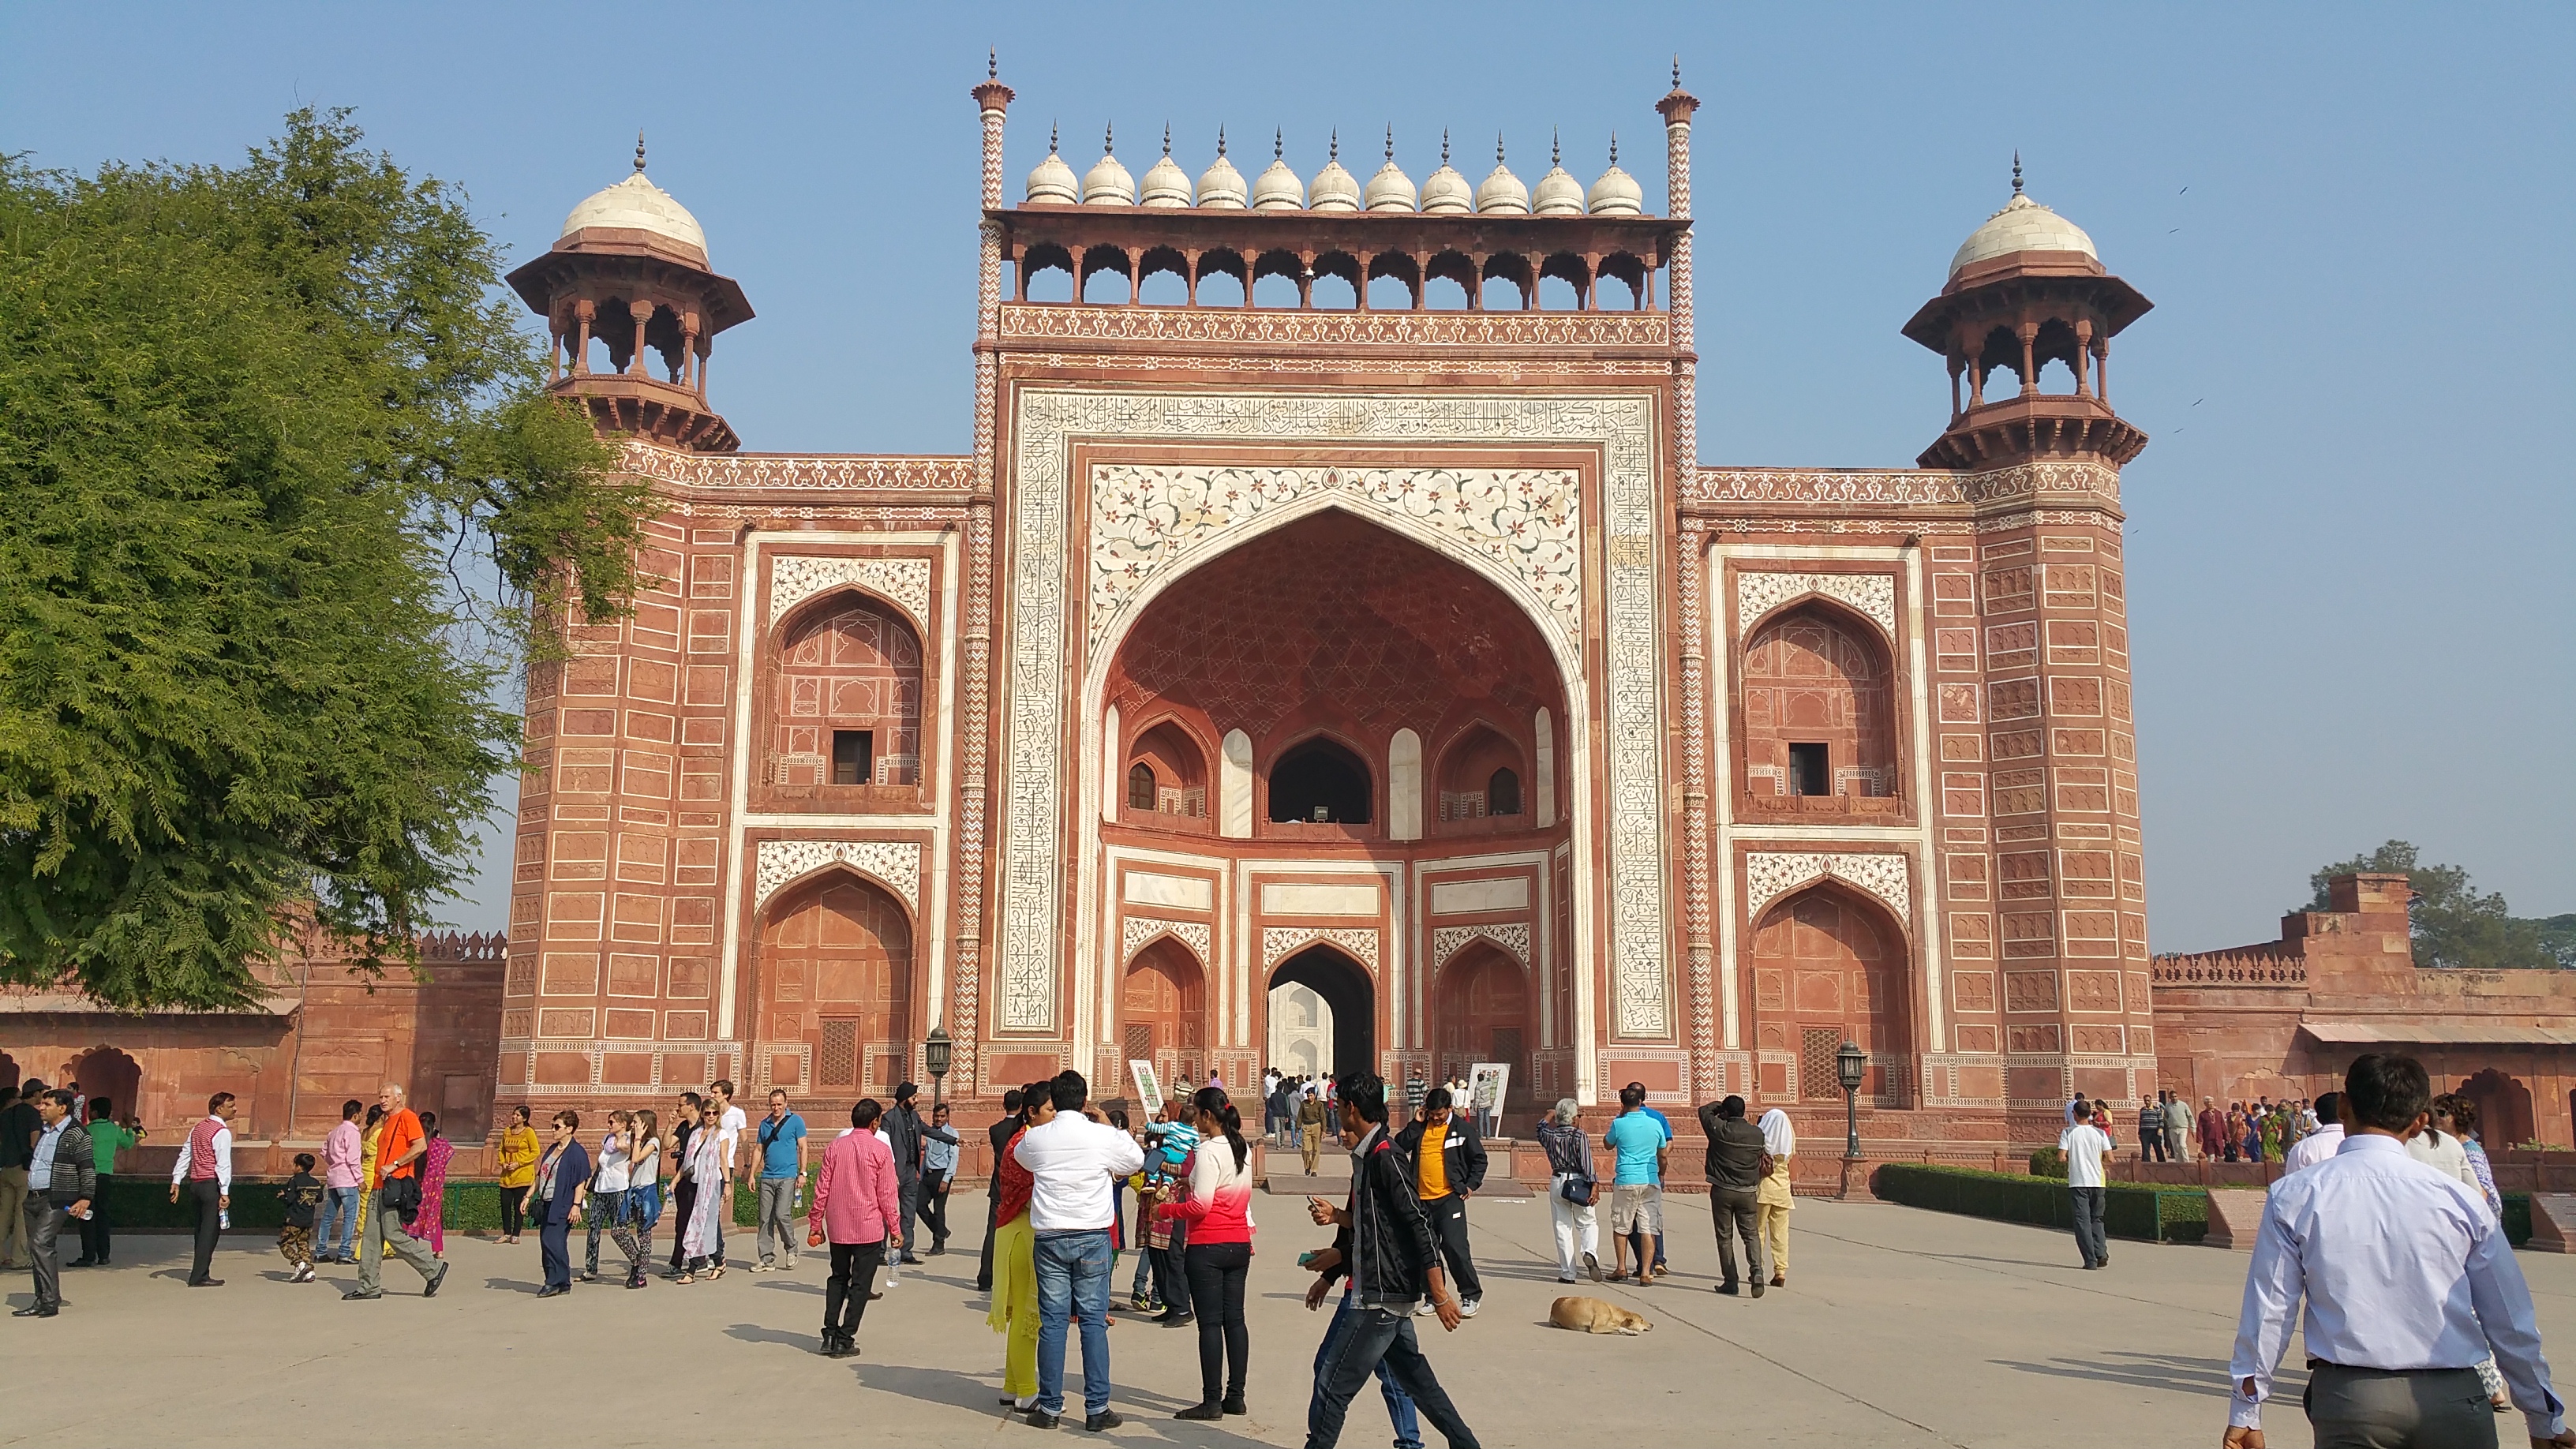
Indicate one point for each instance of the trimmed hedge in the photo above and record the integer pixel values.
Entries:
(2148, 1214)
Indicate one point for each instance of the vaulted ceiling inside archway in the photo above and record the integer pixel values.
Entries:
(1380, 631)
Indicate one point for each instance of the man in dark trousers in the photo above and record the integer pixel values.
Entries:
(1000, 1133)
(205, 1169)
(61, 1182)
(684, 1190)
(1448, 1158)
(1737, 1163)
(905, 1132)
(1384, 1248)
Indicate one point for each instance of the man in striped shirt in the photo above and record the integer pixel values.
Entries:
(205, 1168)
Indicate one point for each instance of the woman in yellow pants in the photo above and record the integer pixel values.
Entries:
(1771, 1201)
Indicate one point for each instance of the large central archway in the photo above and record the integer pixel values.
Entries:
(1346, 989)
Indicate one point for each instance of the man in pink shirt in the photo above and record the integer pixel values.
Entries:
(341, 1152)
(855, 1203)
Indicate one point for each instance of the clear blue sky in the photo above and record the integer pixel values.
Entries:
(2348, 578)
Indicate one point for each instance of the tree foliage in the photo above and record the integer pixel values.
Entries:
(256, 425)
(2455, 925)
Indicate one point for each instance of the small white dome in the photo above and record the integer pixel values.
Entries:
(1107, 183)
(1390, 189)
(2022, 226)
(1334, 189)
(1616, 193)
(1445, 192)
(1502, 192)
(1277, 188)
(1557, 193)
(1052, 183)
(636, 204)
(1166, 185)
(1221, 186)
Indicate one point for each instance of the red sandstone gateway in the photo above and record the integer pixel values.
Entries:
(1396, 659)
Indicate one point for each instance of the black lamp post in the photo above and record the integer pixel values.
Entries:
(1852, 1065)
(934, 1055)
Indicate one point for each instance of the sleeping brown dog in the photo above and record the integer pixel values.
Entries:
(1593, 1315)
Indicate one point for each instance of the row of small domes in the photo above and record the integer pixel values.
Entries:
(1445, 192)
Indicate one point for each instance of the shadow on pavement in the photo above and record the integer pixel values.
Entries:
(2172, 1373)
(1140, 1408)
(512, 1285)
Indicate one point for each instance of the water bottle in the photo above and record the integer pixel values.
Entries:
(224, 1219)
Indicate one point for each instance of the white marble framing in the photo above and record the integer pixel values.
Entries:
(1043, 625)
(939, 719)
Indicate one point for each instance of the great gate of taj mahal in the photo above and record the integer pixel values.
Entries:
(1380, 638)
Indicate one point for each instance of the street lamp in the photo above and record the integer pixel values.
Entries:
(1851, 1064)
(934, 1055)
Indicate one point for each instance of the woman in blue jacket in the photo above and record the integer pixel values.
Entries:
(562, 1178)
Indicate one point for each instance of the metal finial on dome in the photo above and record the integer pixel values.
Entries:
(1677, 70)
(1051, 146)
(1555, 148)
(1444, 145)
(1335, 154)
(1614, 148)
(1167, 138)
(1220, 138)
(992, 64)
(1498, 148)
(1390, 140)
(1108, 139)
(2016, 170)
(1278, 144)
(639, 153)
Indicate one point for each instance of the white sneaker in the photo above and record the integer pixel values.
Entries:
(1427, 1309)
(1467, 1309)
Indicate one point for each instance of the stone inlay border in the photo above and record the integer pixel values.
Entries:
(1278, 941)
(894, 863)
(794, 578)
(1771, 874)
(1513, 939)
(1759, 591)
(1135, 931)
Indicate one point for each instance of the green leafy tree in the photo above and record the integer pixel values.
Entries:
(2454, 925)
(281, 506)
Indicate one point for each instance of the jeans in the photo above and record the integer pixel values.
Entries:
(340, 1221)
(1399, 1404)
(778, 1215)
(1448, 1217)
(13, 1217)
(1578, 1229)
(854, 1277)
(385, 1227)
(1379, 1340)
(1217, 1272)
(1073, 1277)
(1734, 1210)
(605, 1210)
(2088, 1225)
(992, 1225)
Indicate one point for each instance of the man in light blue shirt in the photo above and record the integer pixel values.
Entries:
(782, 1182)
(1640, 1144)
(2409, 1282)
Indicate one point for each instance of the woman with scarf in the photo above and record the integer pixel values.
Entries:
(1569, 1163)
(1771, 1201)
(429, 1224)
(702, 1236)
(563, 1177)
(1015, 1269)
(643, 1206)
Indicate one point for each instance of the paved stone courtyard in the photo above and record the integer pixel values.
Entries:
(1898, 1328)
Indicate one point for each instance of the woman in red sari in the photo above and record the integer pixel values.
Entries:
(430, 1225)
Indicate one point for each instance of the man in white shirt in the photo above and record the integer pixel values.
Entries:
(2321, 1144)
(2086, 1146)
(730, 1124)
(205, 1166)
(1073, 1154)
(2409, 1282)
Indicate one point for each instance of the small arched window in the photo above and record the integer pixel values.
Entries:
(1140, 786)
(1503, 793)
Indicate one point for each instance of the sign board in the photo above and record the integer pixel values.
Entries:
(1487, 1082)
(1149, 1091)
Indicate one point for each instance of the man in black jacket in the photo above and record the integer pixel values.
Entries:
(904, 1132)
(1735, 1170)
(1000, 1133)
(1452, 1172)
(1385, 1249)
(62, 1176)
